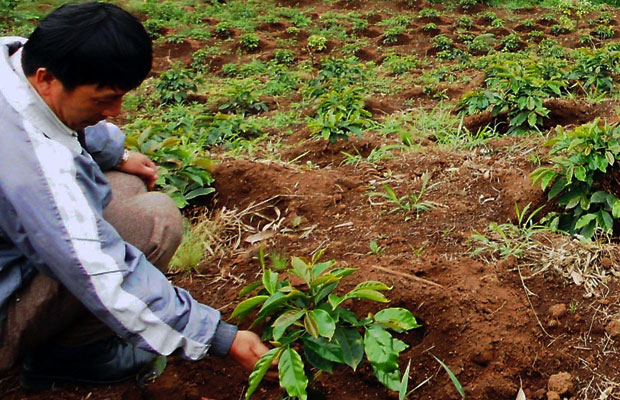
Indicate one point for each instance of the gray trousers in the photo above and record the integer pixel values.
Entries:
(44, 310)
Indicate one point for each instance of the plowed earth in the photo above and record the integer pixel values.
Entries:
(476, 312)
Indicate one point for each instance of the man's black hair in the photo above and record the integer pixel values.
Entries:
(90, 43)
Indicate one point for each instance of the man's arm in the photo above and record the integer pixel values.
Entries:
(52, 214)
(105, 142)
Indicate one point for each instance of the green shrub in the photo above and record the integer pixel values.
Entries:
(284, 56)
(222, 30)
(242, 99)
(399, 65)
(154, 28)
(465, 22)
(604, 32)
(481, 44)
(511, 42)
(442, 42)
(173, 85)
(310, 317)
(391, 34)
(317, 43)
(429, 13)
(429, 27)
(529, 23)
(249, 41)
(340, 114)
(581, 159)
(596, 69)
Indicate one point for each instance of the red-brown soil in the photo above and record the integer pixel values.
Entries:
(475, 313)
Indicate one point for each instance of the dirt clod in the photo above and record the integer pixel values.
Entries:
(613, 328)
(553, 396)
(557, 311)
(561, 383)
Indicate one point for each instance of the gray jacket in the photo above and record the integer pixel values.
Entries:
(52, 195)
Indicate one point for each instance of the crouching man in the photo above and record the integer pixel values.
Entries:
(82, 241)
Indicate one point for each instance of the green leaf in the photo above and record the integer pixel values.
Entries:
(367, 294)
(372, 285)
(580, 173)
(335, 300)
(318, 269)
(347, 316)
(557, 187)
(584, 220)
(453, 378)
(599, 197)
(270, 280)
(396, 318)
(404, 383)
(379, 349)
(391, 379)
(292, 376)
(246, 306)
(326, 349)
(317, 361)
(284, 321)
(260, 369)
(351, 344)
(301, 269)
(250, 288)
(324, 322)
(311, 325)
(199, 192)
(615, 210)
(532, 119)
(588, 230)
(273, 302)
(607, 221)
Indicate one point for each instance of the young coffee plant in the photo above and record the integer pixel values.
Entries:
(391, 34)
(399, 65)
(581, 159)
(222, 30)
(340, 114)
(249, 41)
(312, 320)
(595, 70)
(409, 203)
(173, 85)
(317, 43)
(241, 99)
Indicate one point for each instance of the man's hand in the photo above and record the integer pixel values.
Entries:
(246, 349)
(140, 165)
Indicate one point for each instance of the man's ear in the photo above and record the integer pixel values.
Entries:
(43, 80)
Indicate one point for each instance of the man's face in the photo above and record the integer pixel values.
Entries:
(83, 106)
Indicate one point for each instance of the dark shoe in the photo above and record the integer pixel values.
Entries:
(107, 361)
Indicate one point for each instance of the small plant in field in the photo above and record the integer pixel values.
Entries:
(375, 249)
(481, 44)
(430, 27)
(429, 13)
(528, 23)
(399, 65)
(359, 24)
(391, 34)
(409, 203)
(488, 16)
(467, 4)
(604, 32)
(241, 99)
(199, 59)
(557, 30)
(284, 56)
(340, 114)
(465, 22)
(534, 36)
(249, 41)
(465, 38)
(222, 30)
(317, 43)
(292, 30)
(586, 39)
(476, 101)
(401, 20)
(173, 85)
(511, 42)
(509, 239)
(604, 18)
(310, 317)
(497, 23)
(581, 159)
(154, 28)
(442, 42)
(595, 70)
(522, 91)
(548, 18)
